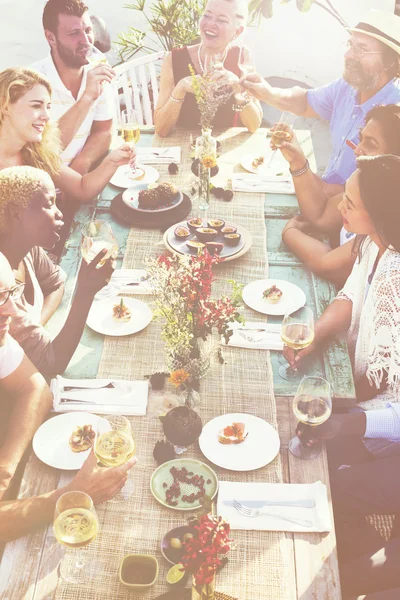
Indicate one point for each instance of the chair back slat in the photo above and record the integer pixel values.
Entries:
(136, 86)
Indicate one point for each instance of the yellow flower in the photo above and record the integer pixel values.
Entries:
(209, 161)
(178, 377)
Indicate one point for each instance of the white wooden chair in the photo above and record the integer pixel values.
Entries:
(136, 86)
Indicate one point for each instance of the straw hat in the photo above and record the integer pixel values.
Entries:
(382, 26)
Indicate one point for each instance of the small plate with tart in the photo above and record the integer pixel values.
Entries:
(239, 442)
(65, 441)
(257, 163)
(124, 177)
(273, 296)
(109, 317)
(157, 199)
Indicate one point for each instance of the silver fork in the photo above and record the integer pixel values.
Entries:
(255, 512)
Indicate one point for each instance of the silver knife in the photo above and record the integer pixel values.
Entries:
(303, 503)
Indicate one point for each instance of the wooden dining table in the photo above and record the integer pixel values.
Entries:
(29, 567)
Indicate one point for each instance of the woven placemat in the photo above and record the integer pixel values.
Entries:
(258, 566)
(162, 220)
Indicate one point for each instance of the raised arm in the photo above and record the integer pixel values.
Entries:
(86, 187)
(31, 402)
(334, 265)
(168, 109)
(72, 120)
(293, 100)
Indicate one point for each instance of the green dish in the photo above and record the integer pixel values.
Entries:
(163, 475)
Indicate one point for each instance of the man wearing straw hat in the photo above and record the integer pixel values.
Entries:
(370, 78)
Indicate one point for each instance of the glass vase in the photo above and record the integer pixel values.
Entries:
(189, 397)
(205, 591)
(206, 153)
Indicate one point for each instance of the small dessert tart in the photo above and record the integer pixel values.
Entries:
(257, 162)
(235, 433)
(137, 175)
(216, 224)
(214, 247)
(195, 223)
(232, 239)
(121, 312)
(195, 245)
(228, 229)
(272, 294)
(181, 232)
(82, 438)
(206, 234)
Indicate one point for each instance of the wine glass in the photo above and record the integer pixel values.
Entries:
(115, 445)
(96, 236)
(75, 526)
(130, 129)
(281, 133)
(312, 405)
(297, 332)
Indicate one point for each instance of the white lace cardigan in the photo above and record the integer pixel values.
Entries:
(374, 334)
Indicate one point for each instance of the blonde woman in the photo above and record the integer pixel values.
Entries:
(27, 137)
(29, 222)
(221, 24)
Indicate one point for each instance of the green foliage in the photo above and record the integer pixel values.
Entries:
(259, 9)
(174, 23)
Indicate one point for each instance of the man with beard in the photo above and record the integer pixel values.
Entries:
(82, 100)
(370, 78)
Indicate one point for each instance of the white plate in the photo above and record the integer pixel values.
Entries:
(279, 165)
(131, 198)
(51, 441)
(123, 176)
(292, 297)
(258, 449)
(100, 317)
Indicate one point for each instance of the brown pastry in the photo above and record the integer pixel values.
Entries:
(82, 438)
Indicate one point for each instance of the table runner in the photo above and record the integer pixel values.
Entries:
(257, 568)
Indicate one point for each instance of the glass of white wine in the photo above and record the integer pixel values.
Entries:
(115, 445)
(130, 129)
(75, 526)
(312, 405)
(96, 236)
(297, 332)
(282, 132)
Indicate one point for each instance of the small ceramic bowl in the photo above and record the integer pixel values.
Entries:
(138, 571)
(172, 554)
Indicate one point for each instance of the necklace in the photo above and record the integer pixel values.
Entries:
(200, 61)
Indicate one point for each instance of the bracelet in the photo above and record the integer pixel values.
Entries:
(300, 171)
(177, 100)
(240, 107)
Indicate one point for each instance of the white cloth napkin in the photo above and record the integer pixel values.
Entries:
(319, 514)
(274, 184)
(119, 283)
(259, 335)
(126, 398)
(154, 156)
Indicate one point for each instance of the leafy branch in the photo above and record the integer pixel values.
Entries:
(259, 9)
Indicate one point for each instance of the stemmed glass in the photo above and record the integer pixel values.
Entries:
(130, 129)
(246, 65)
(115, 445)
(96, 236)
(312, 405)
(297, 332)
(280, 133)
(75, 525)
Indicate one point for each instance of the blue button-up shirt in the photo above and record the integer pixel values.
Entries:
(337, 102)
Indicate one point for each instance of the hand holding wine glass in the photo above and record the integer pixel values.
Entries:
(297, 333)
(114, 446)
(96, 236)
(312, 406)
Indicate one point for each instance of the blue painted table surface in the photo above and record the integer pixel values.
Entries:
(334, 363)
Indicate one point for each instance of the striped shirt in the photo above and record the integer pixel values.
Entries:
(63, 100)
(384, 423)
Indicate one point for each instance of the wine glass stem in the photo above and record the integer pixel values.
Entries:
(79, 559)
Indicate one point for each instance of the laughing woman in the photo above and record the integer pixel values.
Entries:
(29, 222)
(27, 137)
(222, 22)
(368, 307)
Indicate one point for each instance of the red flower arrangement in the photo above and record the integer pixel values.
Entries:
(203, 551)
